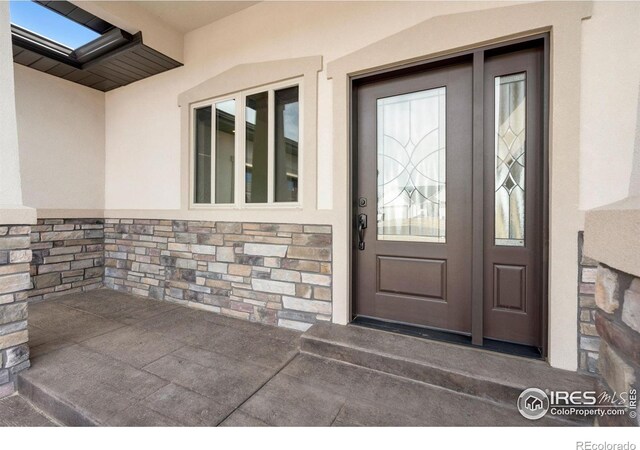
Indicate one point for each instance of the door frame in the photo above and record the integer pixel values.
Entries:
(477, 263)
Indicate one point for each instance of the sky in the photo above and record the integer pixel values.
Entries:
(43, 21)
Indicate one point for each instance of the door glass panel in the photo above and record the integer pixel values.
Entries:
(202, 140)
(510, 130)
(225, 150)
(412, 166)
(257, 148)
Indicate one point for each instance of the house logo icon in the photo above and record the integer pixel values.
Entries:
(533, 403)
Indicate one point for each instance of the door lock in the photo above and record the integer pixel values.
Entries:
(362, 225)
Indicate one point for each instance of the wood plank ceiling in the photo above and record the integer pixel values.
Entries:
(126, 64)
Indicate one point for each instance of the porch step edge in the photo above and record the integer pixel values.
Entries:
(565, 421)
(53, 420)
(371, 349)
(405, 368)
(53, 406)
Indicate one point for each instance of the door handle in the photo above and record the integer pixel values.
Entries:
(362, 225)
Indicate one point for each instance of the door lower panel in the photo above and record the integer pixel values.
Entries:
(426, 278)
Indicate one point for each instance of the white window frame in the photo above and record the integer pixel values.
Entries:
(240, 148)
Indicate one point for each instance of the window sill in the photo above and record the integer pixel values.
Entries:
(247, 207)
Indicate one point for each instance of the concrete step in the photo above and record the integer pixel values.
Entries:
(492, 376)
(53, 404)
(16, 411)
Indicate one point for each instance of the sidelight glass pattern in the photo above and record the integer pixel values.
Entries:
(510, 161)
(411, 158)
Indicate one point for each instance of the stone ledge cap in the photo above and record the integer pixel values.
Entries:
(17, 215)
(612, 235)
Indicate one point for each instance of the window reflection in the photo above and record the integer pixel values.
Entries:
(202, 138)
(257, 149)
(286, 145)
(225, 150)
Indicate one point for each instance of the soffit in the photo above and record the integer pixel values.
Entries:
(186, 16)
(104, 66)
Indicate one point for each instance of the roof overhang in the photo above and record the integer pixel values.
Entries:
(114, 59)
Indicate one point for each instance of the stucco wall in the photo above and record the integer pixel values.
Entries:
(272, 31)
(10, 194)
(610, 93)
(609, 120)
(61, 138)
(609, 109)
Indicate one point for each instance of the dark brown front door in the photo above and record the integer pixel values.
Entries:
(415, 135)
(418, 236)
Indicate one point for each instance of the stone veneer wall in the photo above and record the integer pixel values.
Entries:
(15, 256)
(588, 339)
(68, 256)
(277, 274)
(617, 296)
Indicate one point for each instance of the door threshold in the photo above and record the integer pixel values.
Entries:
(508, 348)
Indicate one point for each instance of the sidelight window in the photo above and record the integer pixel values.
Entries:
(510, 161)
(248, 152)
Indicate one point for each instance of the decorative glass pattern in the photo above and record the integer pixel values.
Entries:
(412, 166)
(510, 133)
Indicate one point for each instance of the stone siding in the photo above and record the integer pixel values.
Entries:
(68, 256)
(588, 339)
(278, 274)
(617, 297)
(15, 256)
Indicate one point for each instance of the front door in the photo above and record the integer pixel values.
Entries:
(417, 231)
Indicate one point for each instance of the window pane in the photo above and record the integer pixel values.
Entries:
(257, 148)
(286, 144)
(225, 150)
(202, 141)
(412, 166)
(510, 125)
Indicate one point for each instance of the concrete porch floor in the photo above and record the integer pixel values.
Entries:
(109, 358)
